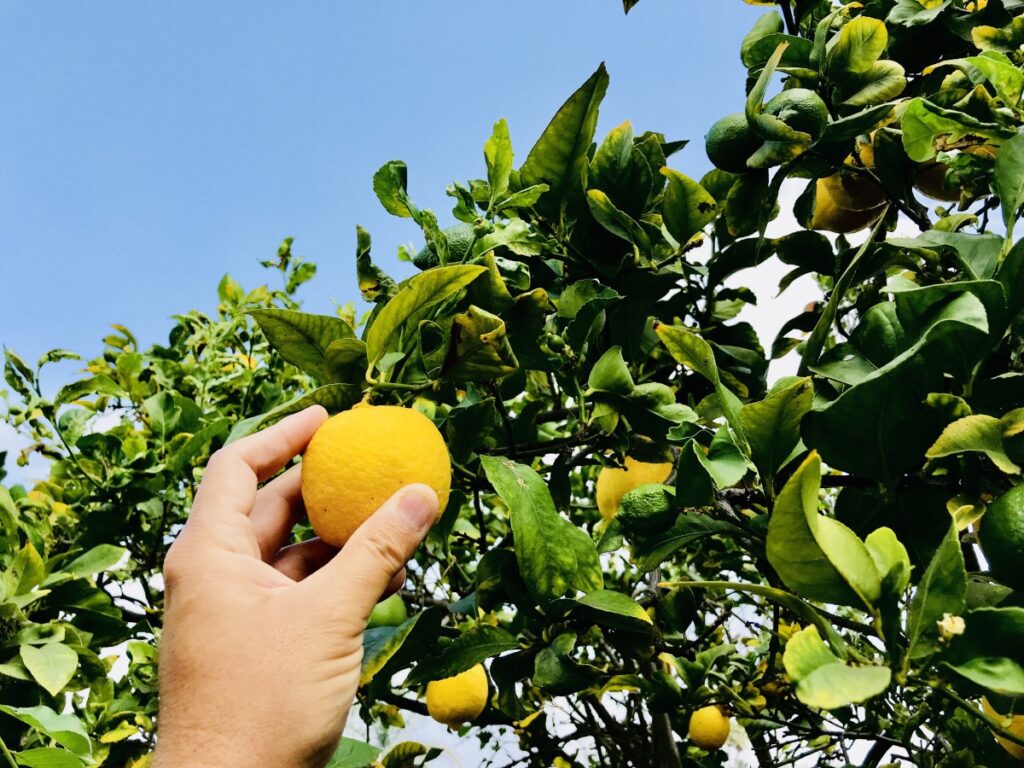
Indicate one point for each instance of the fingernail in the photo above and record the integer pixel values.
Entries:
(418, 510)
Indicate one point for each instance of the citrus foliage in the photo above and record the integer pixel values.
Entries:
(811, 568)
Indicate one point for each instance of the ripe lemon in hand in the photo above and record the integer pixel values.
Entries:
(613, 483)
(359, 458)
(709, 728)
(459, 699)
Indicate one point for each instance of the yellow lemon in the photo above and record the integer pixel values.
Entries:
(460, 699)
(709, 728)
(614, 483)
(845, 203)
(361, 457)
(1014, 724)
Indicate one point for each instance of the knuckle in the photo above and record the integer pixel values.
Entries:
(175, 567)
(219, 458)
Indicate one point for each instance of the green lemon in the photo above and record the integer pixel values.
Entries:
(649, 508)
(730, 142)
(801, 109)
(388, 613)
(1002, 537)
(460, 242)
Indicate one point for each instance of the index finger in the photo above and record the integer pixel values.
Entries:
(233, 472)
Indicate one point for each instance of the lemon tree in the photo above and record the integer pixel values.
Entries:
(652, 551)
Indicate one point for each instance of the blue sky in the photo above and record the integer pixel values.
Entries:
(149, 148)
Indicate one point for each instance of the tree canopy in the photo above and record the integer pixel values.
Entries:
(810, 564)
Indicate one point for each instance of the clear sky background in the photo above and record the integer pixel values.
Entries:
(146, 149)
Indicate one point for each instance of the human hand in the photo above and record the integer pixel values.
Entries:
(262, 641)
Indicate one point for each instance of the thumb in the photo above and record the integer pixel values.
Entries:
(377, 552)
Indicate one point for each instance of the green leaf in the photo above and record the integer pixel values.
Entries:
(588, 575)
(891, 560)
(467, 650)
(755, 98)
(689, 349)
(766, 25)
(198, 442)
(391, 328)
(911, 13)
(839, 685)
(559, 157)
(549, 567)
(923, 123)
(622, 172)
(480, 349)
(610, 374)
(858, 46)
(687, 207)
(1009, 178)
(806, 652)
(374, 285)
(95, 385)
(555, 671)
(333, 397)
(805, 611)
(818, 557)
(352, 753)
(66, 730)
(102, 557)
(52, 665)
(385, 649)
(997, 68)
(301, 338)
(876, 428)
(772, 426)
(404, 754)
(942, 590)
(524, 198)
(47, 757)
(27, 570)
(583, 304)
(724, 461)
(499, 157)
(978, 434)
(649, 552)
(390, 183)
(990, 652)
(614, 609)
(823, 680)
(615, 221)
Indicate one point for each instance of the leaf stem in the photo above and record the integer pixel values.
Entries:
(7, 755)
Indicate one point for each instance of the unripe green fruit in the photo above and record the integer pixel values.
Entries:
(647, 509)
(730, 141)
(1002, 537)
(801, 109)
(388, 613)
(460, 242)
